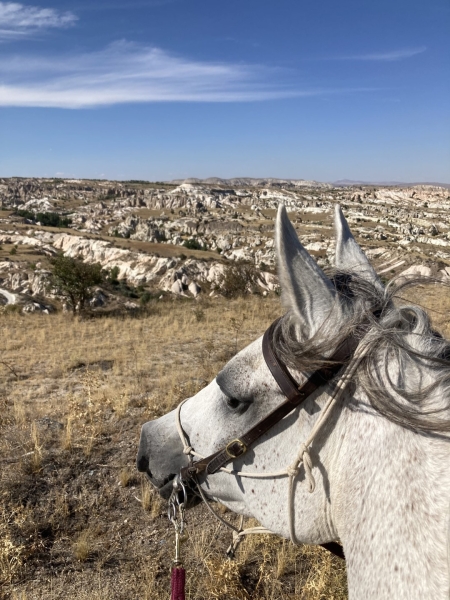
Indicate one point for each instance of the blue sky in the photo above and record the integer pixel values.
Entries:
(165, 89)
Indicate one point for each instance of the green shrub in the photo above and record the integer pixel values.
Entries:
(126, 290)
(113, 276)
(48, 219)
(238, 279)
(192, 244)
(145, 298)
(12, 308)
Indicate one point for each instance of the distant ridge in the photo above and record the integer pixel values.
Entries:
(347, 182)
(273, 181)
(251, 181)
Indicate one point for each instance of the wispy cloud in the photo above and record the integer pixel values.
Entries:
(385, 56)
(126, 72)
(17, 20)
(103, 6)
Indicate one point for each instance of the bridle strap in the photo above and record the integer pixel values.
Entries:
(295, 394)
(351, 352)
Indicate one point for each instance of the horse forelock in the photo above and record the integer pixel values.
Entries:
(406, 371)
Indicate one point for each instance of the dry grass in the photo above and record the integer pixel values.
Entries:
(126, 476)
(150, 500)
(83, 548)
(436, 300)
(75, 520)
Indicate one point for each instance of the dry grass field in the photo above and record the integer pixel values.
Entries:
(76, 520)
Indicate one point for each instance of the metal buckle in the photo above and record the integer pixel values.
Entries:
(177, 503)
(175, 512)
(241, 449)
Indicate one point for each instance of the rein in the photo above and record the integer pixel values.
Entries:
(352, 350)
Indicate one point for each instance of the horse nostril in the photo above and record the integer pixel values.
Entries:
(142, 464)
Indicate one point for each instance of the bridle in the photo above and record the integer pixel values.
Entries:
(350, 352)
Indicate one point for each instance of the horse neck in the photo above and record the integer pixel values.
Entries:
(390, 493)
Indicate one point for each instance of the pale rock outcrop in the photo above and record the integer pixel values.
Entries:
(415, 271)
(215, 273)
(99, 298)
(39, 205)
(177, 288)
(26, 240)
(194, 288)
(268, 281)
(238, 254)
(445, 274)
(37, 307)
(7, 297)
(317, 246)
(136, 228)
(135, 267)
(224, 242)
(30, 282)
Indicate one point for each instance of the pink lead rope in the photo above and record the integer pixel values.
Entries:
(178, 581)
(175, 512)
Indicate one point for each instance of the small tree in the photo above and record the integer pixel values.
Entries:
(74, 279)
(238, 279)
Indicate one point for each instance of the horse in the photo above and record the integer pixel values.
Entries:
(369, 469)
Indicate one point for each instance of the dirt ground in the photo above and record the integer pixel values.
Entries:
(76, 519)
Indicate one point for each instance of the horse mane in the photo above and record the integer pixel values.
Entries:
(405, 373)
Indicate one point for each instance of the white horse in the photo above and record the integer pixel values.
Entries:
(381, 460)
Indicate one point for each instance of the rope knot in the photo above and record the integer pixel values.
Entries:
(292, 470)
(307, 463)
(187, 450)
(303, 457)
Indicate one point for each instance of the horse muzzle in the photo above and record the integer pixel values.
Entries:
(160, 455)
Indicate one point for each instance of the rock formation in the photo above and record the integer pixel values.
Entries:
(179, 237)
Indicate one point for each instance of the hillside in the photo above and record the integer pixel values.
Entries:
(178, 238)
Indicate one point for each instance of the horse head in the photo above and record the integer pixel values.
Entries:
(359, 494)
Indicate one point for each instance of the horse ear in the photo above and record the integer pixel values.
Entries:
(349, 256)
(306, 290)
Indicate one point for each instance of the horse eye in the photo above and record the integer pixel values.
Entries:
(233, 403)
